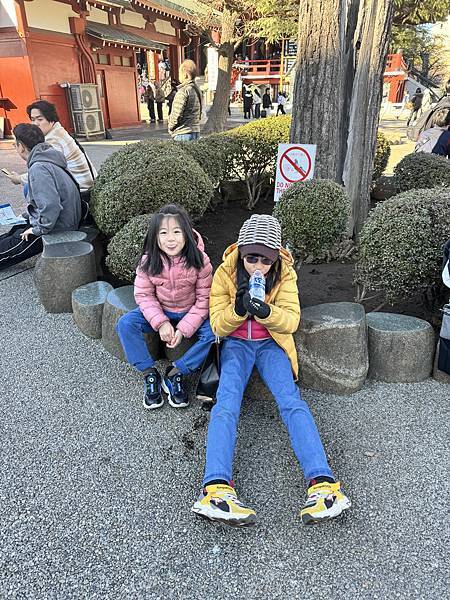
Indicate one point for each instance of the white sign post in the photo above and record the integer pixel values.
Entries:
(295, 162)
(213, 68)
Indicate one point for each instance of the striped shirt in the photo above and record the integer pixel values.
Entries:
(77, 162)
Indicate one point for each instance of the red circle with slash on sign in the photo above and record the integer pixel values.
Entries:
(290, 169)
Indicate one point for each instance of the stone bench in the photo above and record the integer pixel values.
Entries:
(401, 348)
(332, 347)
(120, 301)
(61, 269)
(87, 306)
(63, 237)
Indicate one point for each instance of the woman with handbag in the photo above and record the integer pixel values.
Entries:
(259, 333)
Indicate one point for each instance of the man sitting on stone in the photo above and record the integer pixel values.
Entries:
(53, 197)
(44, 115)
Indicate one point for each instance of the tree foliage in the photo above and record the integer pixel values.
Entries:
(273, 20)
(415, 12)
(421, 49)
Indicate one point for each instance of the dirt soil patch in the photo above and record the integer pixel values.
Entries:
(318, 283)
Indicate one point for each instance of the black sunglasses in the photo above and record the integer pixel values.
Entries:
(253, 259)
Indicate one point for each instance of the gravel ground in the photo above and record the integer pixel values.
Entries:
(95, 492)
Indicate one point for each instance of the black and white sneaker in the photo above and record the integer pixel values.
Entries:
(152, 390)
(174, 388)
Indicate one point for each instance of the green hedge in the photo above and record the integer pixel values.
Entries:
(125, 248)
(313, 216)
(142, 177)
(213, 153)
(400, 247)
(382, 154)
(253, 156)
(422, 170)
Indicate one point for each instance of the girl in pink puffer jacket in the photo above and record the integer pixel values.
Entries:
(171, 289)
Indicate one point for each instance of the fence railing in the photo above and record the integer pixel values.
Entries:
(268, 67)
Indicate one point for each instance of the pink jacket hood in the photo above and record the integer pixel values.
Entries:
(176, 289)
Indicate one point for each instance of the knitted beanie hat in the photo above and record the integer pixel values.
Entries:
(261, 229)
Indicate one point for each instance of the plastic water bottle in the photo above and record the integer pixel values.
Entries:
(257, 286)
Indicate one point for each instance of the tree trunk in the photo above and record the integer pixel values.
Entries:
(218, 113)
(217, 116)
(342, 47)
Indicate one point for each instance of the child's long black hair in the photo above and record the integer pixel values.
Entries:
(272, 277)
(152, 255)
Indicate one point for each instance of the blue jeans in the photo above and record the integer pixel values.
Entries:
(237, 360)
(186, 137)
(131, 328)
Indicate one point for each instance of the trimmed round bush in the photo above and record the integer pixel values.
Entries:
(382, 154)
(313, 216)
(142, 177)
(213, 153)
(253, 157)
(422, 170)
(125, 248)
(272, 130)
(400, 246)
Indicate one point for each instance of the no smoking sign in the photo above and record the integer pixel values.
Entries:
(295, 162)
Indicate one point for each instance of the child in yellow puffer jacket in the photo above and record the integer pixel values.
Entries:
(259, 333)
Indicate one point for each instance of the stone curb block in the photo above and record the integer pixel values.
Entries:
(120, 301)
(332, 347)
(87, 305)
(62, 268)
(401, 348)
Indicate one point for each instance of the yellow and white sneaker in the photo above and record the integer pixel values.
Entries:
(219, 502)
(325, 501)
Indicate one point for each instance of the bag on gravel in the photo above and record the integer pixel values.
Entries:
(209, 375)
(444, 341)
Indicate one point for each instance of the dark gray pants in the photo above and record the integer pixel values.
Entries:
(14, 250)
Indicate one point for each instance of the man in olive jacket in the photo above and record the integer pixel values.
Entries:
(184, 119)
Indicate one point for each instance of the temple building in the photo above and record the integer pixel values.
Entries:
(48, 46)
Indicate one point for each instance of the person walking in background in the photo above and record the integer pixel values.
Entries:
(257, 101)
(184, 120)
(267, 102)
(248, 102)
(171, 289)
(405, 104)
(416, 102)
(281, 103)
(171, 95)
(150, 99)
(159, 99)
(258, 333)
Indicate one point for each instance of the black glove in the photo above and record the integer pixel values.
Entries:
(239, 307)
(256, 307)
